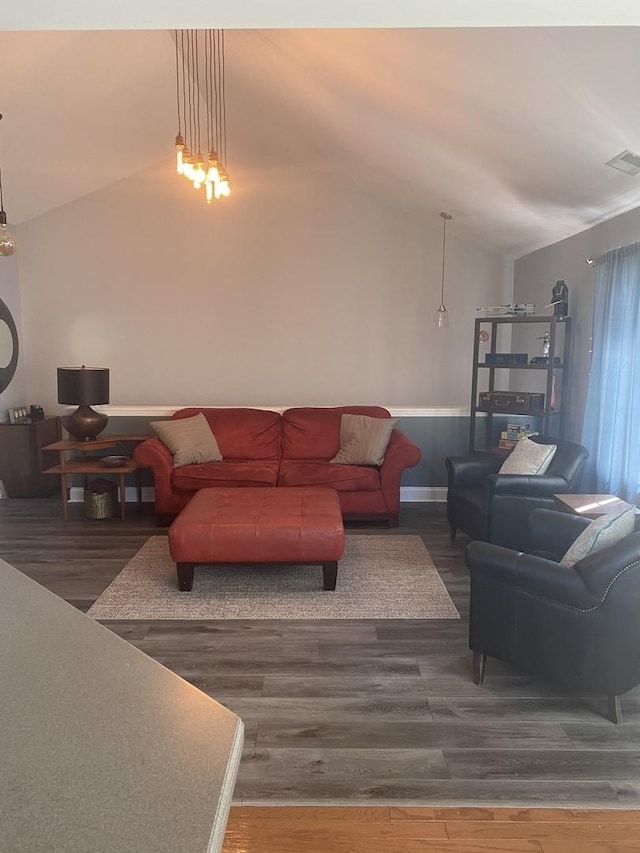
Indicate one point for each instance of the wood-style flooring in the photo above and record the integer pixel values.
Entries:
(358, 712)
(375, 829)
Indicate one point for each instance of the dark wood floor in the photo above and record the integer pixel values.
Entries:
(357, 711)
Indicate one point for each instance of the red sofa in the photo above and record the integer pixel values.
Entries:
(264, 448)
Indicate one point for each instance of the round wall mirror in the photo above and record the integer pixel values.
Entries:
(8, 346)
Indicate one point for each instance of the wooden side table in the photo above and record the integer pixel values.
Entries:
(590, 506)
(69, 465)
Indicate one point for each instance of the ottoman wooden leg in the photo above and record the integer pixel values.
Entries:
(185, 576)
(329, 574)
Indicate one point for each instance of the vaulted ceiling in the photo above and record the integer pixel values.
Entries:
(508, 128)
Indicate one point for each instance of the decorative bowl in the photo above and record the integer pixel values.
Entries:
(114, 461)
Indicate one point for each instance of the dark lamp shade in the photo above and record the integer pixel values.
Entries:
(83, 386)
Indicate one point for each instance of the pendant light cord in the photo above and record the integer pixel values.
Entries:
(445, 218)
(444, 245)
(223, 85)
(175, 35)
(1, 196)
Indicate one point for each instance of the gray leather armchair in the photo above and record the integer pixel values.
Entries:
(578, 624)
(495, 507)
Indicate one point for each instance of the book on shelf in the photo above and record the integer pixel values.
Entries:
(512, 435)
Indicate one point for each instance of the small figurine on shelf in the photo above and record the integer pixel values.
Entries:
(559, 300)
(546, 347)
(546, 344)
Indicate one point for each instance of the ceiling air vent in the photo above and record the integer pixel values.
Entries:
(627, 162)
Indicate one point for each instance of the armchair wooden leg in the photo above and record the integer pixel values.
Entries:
(613, 708)
(479, 664)
(452, 532)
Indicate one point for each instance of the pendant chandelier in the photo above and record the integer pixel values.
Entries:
(201, 142)
(8, 242)
(442, 315)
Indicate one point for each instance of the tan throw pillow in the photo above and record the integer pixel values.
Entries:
(528, 457)
(190, 440)
(363, 440)
(601, 533)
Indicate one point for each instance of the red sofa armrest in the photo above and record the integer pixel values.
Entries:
(401, 453)
(155, 455)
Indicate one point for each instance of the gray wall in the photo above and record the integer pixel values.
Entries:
(535, 275)
(437, 438)
(290, 292)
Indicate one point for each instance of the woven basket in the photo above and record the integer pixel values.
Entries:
(98, 504)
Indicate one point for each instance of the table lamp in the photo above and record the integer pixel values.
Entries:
(84, 387)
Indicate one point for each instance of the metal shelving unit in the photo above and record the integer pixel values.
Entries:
(550, 418)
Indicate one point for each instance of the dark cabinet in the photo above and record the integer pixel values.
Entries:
(22, 459)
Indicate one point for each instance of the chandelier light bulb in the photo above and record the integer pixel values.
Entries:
(188, 165)
(8, 243)
(179, 153)
(442, 315)
(442, 318)
(213, 173)
(225, 188)
(199, 175)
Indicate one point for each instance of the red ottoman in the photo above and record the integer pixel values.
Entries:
(269, 525)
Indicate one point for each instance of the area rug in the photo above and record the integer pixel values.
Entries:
(379, 577)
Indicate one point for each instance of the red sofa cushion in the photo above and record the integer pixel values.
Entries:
(226, 473)
(314, 433)
(243, 433)
(342, 478)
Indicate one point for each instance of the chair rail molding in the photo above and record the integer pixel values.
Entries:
(167, 411)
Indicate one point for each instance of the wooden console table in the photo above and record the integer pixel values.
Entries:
(68, 466)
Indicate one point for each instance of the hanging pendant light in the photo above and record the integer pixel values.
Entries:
(8, 243)
(202, 111)
(442, 315)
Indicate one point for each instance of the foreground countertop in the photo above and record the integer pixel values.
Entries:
(102, 748)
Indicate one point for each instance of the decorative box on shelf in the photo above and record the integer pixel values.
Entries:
(515, 401)
(509, 358)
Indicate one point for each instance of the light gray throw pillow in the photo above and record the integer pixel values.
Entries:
(528, 457)
(601, 533)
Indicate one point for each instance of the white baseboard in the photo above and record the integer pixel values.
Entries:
(76, 494)
(423, 494)
(417, 494)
